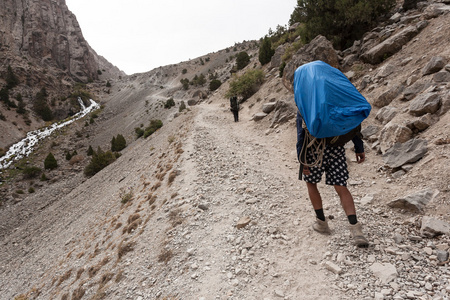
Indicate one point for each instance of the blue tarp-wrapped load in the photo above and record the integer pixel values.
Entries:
(328, 102)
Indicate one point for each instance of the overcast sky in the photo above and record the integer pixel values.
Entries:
(140, 35)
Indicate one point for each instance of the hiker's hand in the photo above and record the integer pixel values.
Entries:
(306, 171)
(360, 157)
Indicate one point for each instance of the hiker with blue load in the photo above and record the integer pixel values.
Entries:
(330, 112)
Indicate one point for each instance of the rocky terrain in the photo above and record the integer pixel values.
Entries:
(207, 208)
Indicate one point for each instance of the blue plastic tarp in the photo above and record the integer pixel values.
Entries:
(328, 102)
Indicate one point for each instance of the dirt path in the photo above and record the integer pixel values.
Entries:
(240, 172)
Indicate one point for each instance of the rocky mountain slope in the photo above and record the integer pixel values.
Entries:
(206, 208)
(43, 44)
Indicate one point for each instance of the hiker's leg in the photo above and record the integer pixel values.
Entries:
(349, 207)
(314, 195)
(346, 199)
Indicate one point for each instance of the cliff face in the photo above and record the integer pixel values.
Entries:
(42, 42)
(46, 32)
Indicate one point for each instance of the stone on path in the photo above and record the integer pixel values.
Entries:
(414, 202)
(385, 272)
(244, 221)
(432, 227)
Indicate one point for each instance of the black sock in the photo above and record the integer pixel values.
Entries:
(319, 214)
(352, 219)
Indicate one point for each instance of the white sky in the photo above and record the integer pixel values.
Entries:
(140, 35)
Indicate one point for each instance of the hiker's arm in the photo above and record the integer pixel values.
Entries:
(300, 135)
(359, 149)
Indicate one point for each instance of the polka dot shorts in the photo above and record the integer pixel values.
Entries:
(334, 165)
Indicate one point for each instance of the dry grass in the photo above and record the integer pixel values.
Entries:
(80, 255)
(133, 218)
(105, 279)
(173, 195)
(165, 256)
(172, 177)
(160, 176)
(79, 273)
(64, 277)
(92, 271)
(124, 248)
(119, 276)
(78, 293)
(175, 217)
(156, 186)
(75, 159)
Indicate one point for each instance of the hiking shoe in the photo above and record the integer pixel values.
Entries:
(358, 236)
(321, 226)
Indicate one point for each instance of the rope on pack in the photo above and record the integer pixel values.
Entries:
(316, 147)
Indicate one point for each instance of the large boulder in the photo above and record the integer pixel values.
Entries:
(386, 114)
(414, 202)
(402, 154)
(394, 133)
(434, 65)
(388, 96)
(276, 60)
(318, 49)
(426, 103)
(284, 111)
(390, 46)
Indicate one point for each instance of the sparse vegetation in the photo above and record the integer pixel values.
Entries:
(246, 85)
(214, 84)
(169, 103)
(185, 82)
(265, 51)
(50, 162)
(341, 21)
(165, 256)
(126, 195)
(242, 60)
(99, 160)
(154, 125)
(41, 107)
(31, 172)
(182, 106)
(118, 143)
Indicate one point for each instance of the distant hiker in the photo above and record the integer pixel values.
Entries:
(234, 107)
(319, 149)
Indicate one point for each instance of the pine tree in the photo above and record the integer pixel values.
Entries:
(265, 51)
(50, 162)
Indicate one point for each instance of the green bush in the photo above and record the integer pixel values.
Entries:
(43, 177)
(184, 71)
(11, 79)
(265, 51)
(242, 60)
(31, 172)
(199, 80)
(118, 143)
(50, 162)
(99, 160)
(185, 83)
(214, 84)
(154, 125)
(246, 85)
(108, 84)
(340, 21)
(169, 103)
(182, 106)
(90, 151)
(139, 132)
(31, 190)
(41, 107)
